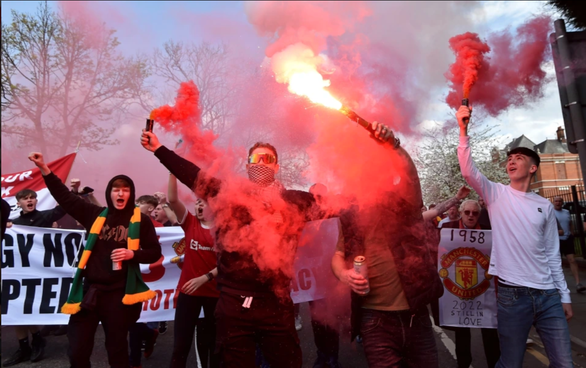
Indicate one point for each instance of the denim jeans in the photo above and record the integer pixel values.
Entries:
(398, 339)
(521, 307)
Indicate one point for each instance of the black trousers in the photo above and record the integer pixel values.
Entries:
(116, 318)
(268, 322)
(327, 338)
(186, 319)
(490, 340)
(137, 333)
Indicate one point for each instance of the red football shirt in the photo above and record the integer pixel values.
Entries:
(200, 257)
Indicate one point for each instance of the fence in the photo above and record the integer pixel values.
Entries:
(571, 196)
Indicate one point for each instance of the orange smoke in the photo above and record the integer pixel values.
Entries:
(469, 50)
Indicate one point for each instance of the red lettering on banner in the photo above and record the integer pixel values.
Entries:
(168, 293)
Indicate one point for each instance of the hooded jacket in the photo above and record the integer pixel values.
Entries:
(114, 233)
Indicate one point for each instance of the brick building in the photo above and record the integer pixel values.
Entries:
(559, 168)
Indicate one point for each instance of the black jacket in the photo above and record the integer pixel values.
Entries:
(40, 218)
(113, 235)
(237, 270)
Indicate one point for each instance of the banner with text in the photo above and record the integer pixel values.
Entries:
(33, 179)
(37, 271)
(469, 298)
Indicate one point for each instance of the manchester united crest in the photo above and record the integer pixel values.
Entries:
(179, 248)
(468, 262)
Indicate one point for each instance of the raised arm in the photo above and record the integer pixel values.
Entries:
(79, 209)
(173, 198)
(474, 178)
(443, 207)
(187, 172)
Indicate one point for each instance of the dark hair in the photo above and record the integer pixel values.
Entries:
(25, 193)
(120, 183)
(264, 145)
(149, 199)
(533, 156)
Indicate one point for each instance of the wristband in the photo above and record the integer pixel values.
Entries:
(210, 276)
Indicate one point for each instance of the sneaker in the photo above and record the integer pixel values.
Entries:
(580, 288)
(38, 348)
(298, 323)
(150, 344)
(19, 356)
(162, 328)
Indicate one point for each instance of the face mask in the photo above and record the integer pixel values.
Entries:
(261, 175)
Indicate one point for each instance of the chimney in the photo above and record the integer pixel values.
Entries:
(561, 135)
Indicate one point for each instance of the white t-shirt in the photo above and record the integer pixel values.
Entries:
(525, 240)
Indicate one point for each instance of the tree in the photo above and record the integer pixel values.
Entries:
(63, 82)
(573, 11)
(210, 69)
(437, 160)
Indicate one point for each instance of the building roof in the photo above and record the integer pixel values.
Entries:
(551, 146)
(521, 141)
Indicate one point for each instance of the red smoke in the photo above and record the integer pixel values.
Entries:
(470, 51)
(514, 74)
(184, 118)
(303, 22)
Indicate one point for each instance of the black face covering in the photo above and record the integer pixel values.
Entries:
(261, 175)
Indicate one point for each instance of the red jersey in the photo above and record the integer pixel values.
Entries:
(155, 222)
(200, 257)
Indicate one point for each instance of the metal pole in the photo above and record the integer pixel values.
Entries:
(574, 103)
(579, 224)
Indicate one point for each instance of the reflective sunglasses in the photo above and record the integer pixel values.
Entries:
(267, 158)
(473, 213)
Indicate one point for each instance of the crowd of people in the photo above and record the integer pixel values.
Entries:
(229, 271)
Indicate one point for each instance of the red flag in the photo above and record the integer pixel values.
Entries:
(33, 179)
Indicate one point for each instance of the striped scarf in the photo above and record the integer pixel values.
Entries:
(136, 290)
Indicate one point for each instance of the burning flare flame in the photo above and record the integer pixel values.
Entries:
(297, 66)
(311, 85)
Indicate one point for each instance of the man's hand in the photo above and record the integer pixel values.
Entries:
(463, 115)
(121, 254)
(149, 141)
(356, 281)
(463, 192)
(383, 133)
(37, 159)
(9, 224)
(568, 311)
(195, 283)
(161, 197)
(75, 184)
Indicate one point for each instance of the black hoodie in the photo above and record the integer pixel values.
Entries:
(113, 235)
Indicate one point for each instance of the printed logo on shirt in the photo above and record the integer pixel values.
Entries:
(539, 209)
(194, 245)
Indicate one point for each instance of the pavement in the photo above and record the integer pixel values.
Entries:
(351, 354)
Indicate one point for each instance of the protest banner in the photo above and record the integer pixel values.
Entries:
(469, 298)
(38, 265)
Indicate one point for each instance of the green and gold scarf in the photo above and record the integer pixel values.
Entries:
(136, 290)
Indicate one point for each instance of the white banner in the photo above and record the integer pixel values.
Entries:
(469, 298)
(37, 272)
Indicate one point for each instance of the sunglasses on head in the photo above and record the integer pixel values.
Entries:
(267, 158)
(473, 213)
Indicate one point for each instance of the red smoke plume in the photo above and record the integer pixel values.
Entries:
(514, 74)
(184, 118)
(470, 51)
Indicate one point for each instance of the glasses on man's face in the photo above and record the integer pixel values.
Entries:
(267, 158)
(471, 213)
